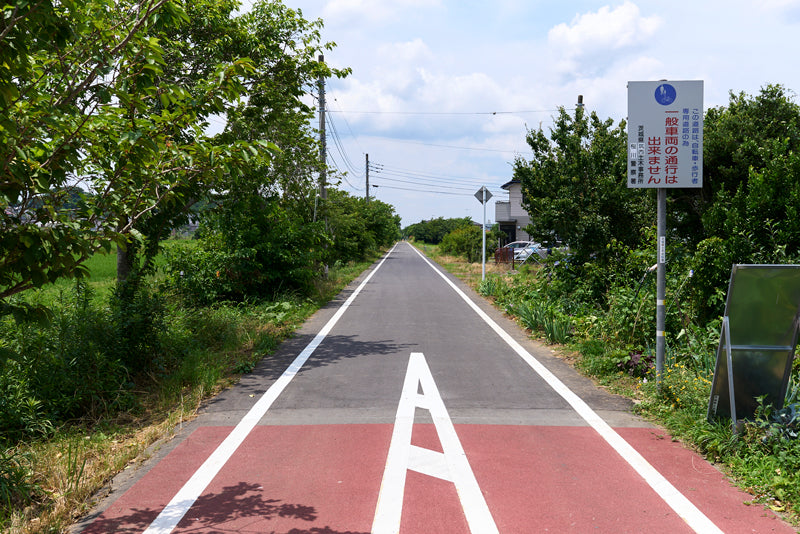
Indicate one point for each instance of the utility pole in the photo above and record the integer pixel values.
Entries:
(323, 153)
(323, 147)
(367, 170)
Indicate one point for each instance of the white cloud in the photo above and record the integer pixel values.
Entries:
(788, 10)
(457, 57)
(591, 36)
(406, 52)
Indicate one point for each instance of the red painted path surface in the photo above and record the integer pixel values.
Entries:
(324, 479)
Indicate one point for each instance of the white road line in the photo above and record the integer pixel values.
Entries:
(674, 498)
(170, 516)
(450, 465)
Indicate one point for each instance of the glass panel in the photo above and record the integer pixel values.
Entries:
(755, 373)
(762, 304)
(762, 310)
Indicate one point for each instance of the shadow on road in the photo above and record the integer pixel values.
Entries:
(338, 347)
(333, 349)
(239, 508)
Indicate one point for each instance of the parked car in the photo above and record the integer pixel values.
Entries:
(524, 249)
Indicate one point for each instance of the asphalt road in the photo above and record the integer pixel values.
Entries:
(410, 405)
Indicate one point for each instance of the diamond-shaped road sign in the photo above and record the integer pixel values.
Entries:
(479, 194)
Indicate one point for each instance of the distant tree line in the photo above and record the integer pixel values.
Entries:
(434, 230)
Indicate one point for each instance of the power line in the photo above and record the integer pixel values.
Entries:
(424, 191)
(393, 171)
(448, 113)
(343, 174)
(337, 142)
(340, 147)
(451, 187)
(348, 127)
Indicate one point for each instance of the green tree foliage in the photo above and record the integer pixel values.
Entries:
(747, 211)
(467, 242)
(574, 190)
(251, 247)
(433, 231)
(282, 48)
(359, 228)
(747, 134)
(84, 103)
(255, 247)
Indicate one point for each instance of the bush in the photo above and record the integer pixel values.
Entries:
(538, 316)
(78, 365)
(435, 230)
(467, 242)
(493, 286)
(204, 274)
(464, 242)
(16, 486)
(137, 314)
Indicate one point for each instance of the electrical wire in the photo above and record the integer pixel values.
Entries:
(427, 179)
(423, 184)
(340, 146)
(355, 138)
(448, 113)
(424, 191)
(343, 174)
(337, 143)
(426, 184)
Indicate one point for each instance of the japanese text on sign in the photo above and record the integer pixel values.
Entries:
(665, 134)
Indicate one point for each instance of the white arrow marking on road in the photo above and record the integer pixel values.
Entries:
(450, 465)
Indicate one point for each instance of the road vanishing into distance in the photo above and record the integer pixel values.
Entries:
(410, 405)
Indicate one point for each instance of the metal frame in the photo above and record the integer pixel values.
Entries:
(778, 375)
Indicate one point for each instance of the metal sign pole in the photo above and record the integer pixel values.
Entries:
(483, 232)
(661, 290)
(483, 195)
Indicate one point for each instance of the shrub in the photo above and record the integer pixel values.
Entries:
(493, 286)
(464, 242)
(16, 486)
(538, 316)
(137, 314)
(467, 242)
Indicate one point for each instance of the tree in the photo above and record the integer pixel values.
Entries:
(749, 208)
(82, 106)
(739, 140)
(433, 231)
(285, 48)
(359, 228)
(467, 241)
(575, 191)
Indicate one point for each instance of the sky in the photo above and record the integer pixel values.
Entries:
(443, 92)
